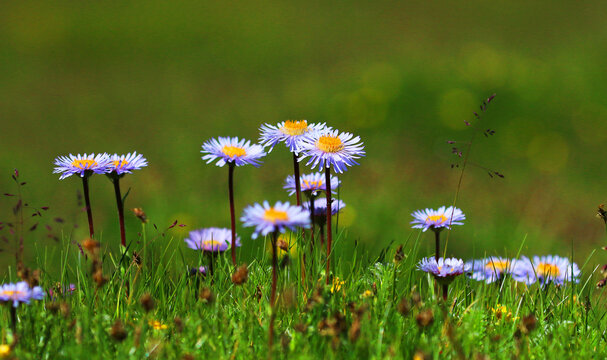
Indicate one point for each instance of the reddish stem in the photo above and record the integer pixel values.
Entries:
(231, 166)
(329, 234)
(437, 240)
(273, 294)
(87, 202)
(120, 205)
(297, 179)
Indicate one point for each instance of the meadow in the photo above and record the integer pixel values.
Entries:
(163, 79)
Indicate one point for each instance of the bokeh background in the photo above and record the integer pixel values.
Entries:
(163, 77)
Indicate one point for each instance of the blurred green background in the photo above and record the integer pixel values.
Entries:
(163, 77)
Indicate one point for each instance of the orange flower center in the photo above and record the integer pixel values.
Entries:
(292, 127)
(233, 151)
(546, 270)
(273, 215)
(498, 265)
(211, 243)
(11, 293)
(315, 184)
(329, 144)
(84, 164)
(120, 163)
(439, 219)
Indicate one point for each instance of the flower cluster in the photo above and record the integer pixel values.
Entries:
(85, 165)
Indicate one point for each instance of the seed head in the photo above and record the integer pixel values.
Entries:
(140, 215)
(147, 302)
(241, 275)
(117, 332)
(207, 296)
(425, 318)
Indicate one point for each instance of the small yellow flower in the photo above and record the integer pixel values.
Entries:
(337, 284)
(502, 312)
(368, 294)
(157, 325)
(5, 351)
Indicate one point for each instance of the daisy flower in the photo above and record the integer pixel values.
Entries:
(231, 150)
(490, 269)
(545, 269)
(331, 148)
(267, 219)
(20, 293)
(320, 207)
(211, 239)
(444, 270)
(122, 164)
(292, 132)
(81, 165)
(436, 220)
(311, 184)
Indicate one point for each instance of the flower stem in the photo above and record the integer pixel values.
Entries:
(297, 179)
(13, 319)
(437, 238)
(311, 223)
(329, 234)
(231, 167)
(87, 201)
(445, 292)
(120, 205)
(273, 294)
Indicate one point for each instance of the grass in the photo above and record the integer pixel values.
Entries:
(375, 308)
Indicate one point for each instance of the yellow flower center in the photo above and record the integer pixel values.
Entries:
(157, 325)
(498, 265)
(313, 184)
(439, 219)
(12, 293)
(294, 127)
(211, 243)
(5, 350)
(329, 144)
(273, 215)
(120, 163)
(84, 164)
(546, 270)
(233, 151)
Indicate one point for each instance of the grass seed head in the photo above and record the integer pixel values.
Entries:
(207, 296)
(117, 332)
(404, 307)
(399, 255)
(147, 302)
(91, 246)
(178, 324)
(140, 215)
(241, 275)
(425, 318)
(354, 332)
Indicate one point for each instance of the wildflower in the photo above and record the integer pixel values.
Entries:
(445, 270)
(490, 269)
(211, 239)
(157, 325)
(311, 184)
(116, 168)
(140, 214)
(331, 148)
(545, 269)
(5, 351)
(502, 312)
(320, 208)
(232, 150)
(201, 270)
(292, 132)
(436, 220)
(337, 284)
(20, 293)
(123, 164)
(64, 290)
(267, 219)
(83, 165)
(368, 294)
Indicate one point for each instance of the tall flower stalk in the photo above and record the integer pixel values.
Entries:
(274, 220)
(85, 166)
(233, 152)
(117, 167)
(211, 241)
(437, 220)
(331, 149)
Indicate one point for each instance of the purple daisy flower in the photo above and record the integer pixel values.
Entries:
(490, 269)
(121, 164)
(231, 150)
(20, 293)
(311, 184)
(545, 269)
(267, 219)
(444, 270)
(292, 132)
(320, 207)
(211, 239)
(436, 220)
(331, 148)
(201, 270)
(80, 164)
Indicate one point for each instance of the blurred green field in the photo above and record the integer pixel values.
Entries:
(162, 77)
